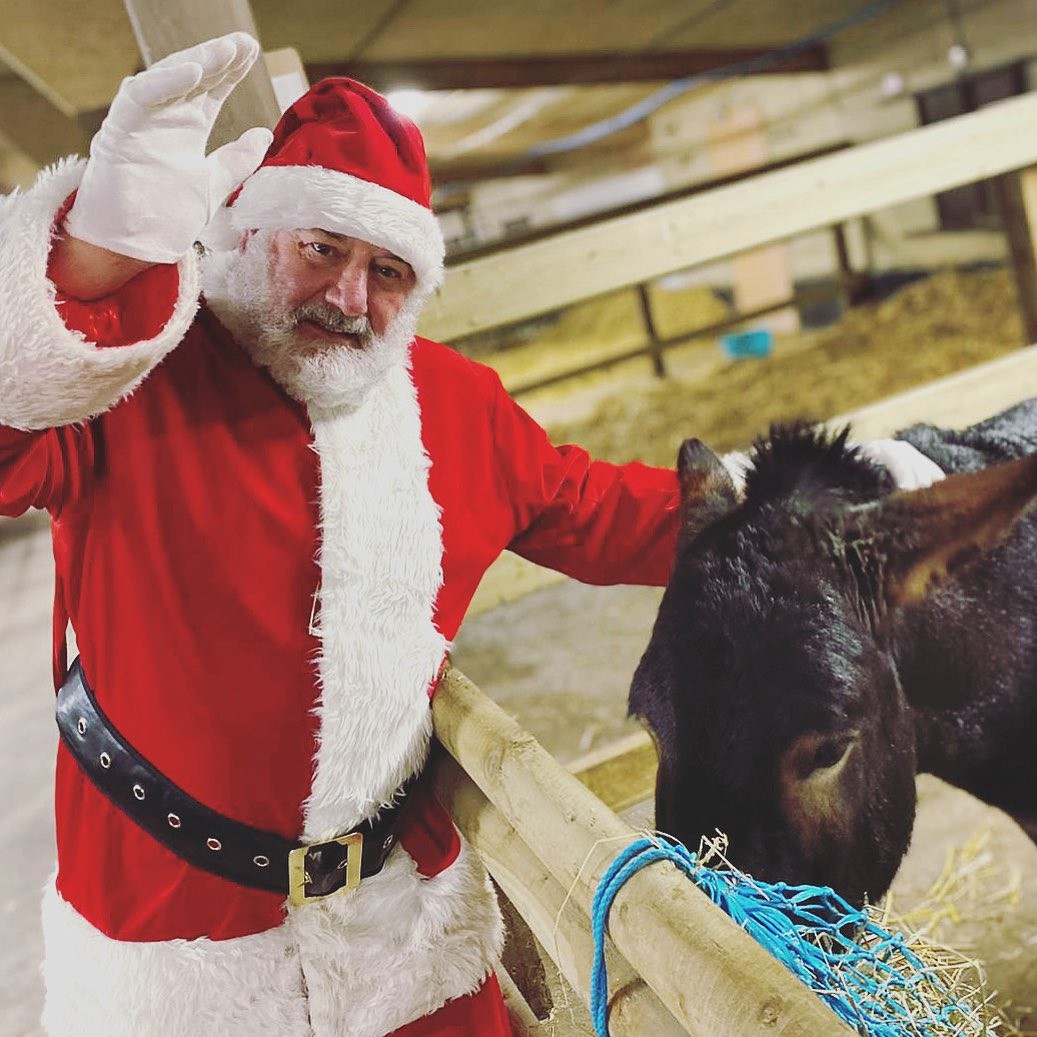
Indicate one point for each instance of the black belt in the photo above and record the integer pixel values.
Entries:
(204, 838)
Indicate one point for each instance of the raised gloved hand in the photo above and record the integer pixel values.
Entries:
(149, 188)
(737, 465)
(911, 470)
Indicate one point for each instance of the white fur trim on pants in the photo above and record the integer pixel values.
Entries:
(49, 375)
(362, 964)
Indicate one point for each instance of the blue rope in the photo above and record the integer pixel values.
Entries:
(810, 929)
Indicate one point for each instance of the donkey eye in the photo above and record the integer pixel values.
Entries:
(830, 752)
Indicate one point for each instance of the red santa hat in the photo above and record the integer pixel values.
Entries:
(344, 160)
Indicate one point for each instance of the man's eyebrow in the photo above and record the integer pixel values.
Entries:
(347, 237)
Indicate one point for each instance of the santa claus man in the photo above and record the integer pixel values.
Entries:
(271, 508)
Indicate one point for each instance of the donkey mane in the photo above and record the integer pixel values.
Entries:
(803, 459)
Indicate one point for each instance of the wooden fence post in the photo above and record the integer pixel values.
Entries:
(162, 28)
(654, 346)
(1017, 198)
(713, 977)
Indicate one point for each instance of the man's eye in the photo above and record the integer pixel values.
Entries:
(388, 271)
(321, 248)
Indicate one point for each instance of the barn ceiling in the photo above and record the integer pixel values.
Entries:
(508, 76)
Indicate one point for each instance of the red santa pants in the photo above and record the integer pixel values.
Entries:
(481, 1014)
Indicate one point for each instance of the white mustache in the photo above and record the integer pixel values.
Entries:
(332, 320)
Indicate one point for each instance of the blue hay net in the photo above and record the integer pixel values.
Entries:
(868, 976)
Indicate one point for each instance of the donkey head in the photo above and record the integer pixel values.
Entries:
(769, 683)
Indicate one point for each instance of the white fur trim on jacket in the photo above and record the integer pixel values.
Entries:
(381, 555)
(363, 964)
(381, 569)
(174, 988)
(399, 948)
(292, 197)
(49, 375)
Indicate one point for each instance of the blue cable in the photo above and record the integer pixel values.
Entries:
(637, 112)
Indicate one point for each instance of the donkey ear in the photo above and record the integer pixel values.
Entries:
(922, 538)
(707, 491)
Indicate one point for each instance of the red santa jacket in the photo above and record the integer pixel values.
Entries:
(262, 599)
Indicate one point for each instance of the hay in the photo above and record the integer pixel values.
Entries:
(931, 328)
(881, 978)
(972, 884)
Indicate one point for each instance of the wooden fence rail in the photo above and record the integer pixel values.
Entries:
(711, 976)
(554, 272)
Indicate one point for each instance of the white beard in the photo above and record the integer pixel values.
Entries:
(238, 289)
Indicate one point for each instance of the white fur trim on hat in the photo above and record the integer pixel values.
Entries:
(50, 375)
(292, 197)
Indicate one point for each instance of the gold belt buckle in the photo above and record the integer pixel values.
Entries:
(297, 877)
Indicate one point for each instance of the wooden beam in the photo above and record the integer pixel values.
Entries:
(33, 125)
(162, 28)
(701, 186)
(1017, 200)
(562, 929)
(556, 69)
(955, 401)
(713, 977)
(550, 274)
(622, 774)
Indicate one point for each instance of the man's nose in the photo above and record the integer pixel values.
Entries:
(348, 292)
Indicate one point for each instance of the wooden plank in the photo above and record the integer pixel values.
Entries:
(33, 125)
(737, 141)
(550, 274)
(524, 1022)
(713, 977)
(954, 401)
(562, 928)
(1017, 200)
(162, 28)
(621, 774)
(557, 69)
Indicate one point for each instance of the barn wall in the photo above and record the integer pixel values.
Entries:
(911, 41)
(800, 113)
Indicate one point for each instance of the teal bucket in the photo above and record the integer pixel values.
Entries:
(746, 345)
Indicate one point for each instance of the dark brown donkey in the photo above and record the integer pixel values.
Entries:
(826, 638)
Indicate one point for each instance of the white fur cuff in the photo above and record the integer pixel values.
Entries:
(50, 375)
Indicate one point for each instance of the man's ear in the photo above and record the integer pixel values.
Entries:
(911, 543)
(707, 491)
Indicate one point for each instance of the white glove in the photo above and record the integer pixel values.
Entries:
(737, 465)
(149, 188)
(911, 470)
